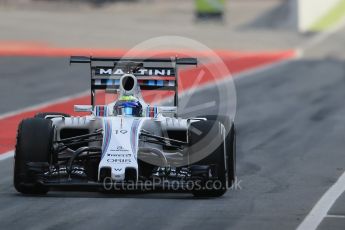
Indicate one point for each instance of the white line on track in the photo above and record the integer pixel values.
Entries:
(264, 68)
(45, 104)
(7, 155)
(335, 216)
(320, 210)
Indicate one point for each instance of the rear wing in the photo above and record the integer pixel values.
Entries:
(151, 73)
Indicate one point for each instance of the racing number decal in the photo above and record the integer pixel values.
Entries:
(122, 131)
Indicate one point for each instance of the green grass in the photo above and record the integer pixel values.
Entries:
(334, 16)
(209, 6)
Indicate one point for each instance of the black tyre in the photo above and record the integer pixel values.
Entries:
(43, 115)
(231, 154)
(216, 186)
(34, 144)
(230, 141)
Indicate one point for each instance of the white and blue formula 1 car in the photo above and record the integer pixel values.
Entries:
(126, 142)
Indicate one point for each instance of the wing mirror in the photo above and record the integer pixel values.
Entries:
(83, 108)
(169, 111)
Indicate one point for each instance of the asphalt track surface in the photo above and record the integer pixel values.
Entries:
(290, 122)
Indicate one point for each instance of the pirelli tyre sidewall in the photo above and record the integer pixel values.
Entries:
(217, 185)
(34, 144)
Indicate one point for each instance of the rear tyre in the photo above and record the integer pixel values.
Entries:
(43, 115)
(216, 185)
(34, 144)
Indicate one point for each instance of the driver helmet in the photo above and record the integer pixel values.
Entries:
(128, 106)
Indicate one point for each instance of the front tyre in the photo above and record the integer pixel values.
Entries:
(230, 141)
(217, 185)
(34, 145)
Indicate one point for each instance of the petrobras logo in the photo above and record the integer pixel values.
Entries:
(119, 161)
(140, 72)
(120, 155)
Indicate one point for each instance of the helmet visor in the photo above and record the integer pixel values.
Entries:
(128, 109)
